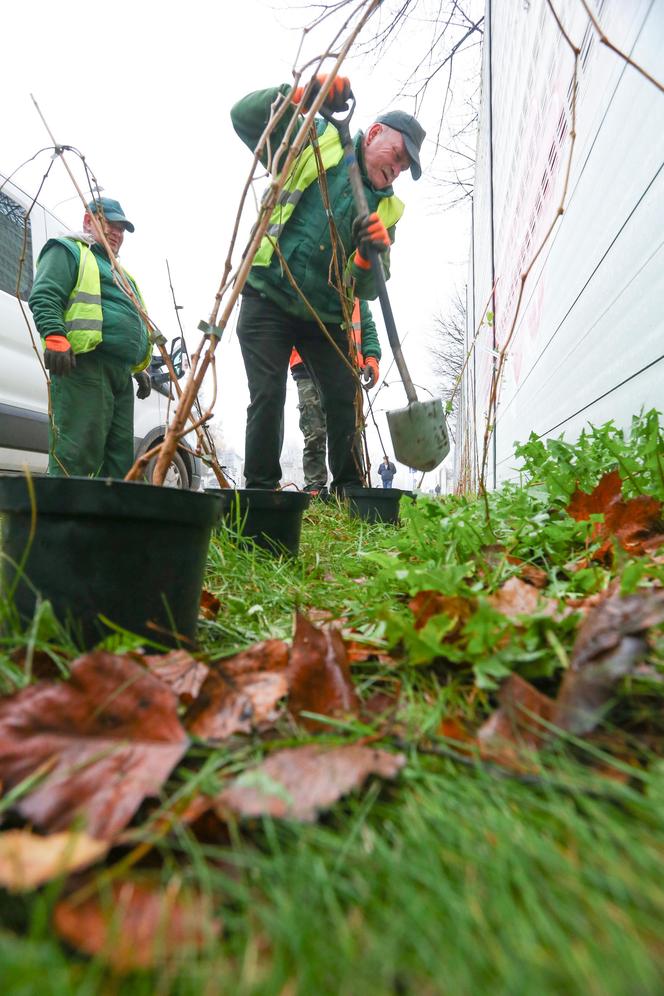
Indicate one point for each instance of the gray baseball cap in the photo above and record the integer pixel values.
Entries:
(413, 136)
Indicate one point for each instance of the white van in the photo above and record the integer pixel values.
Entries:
(23, 390)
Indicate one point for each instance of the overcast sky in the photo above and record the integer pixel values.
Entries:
(144, 89)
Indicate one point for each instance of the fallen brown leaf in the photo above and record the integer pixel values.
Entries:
(358, 652)
(516, 598)
(109, 735)
(210, 605)
(427, 604)
(138, 926)
(494, 553)
(319, 675)
(240, 692)
(382, 702)
(610, 643)
(180, 671)
(636, 523)
(28, 860)
(38, 663)
(582, 505)
(515, 720)
(298, 783)
(530, 573)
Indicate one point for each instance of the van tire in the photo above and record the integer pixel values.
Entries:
(177, 475)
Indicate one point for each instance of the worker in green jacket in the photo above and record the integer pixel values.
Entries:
(274, 317)
(94, 342)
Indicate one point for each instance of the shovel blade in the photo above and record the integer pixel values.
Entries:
(419, 434)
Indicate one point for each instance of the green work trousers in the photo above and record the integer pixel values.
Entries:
(313, 428)
(92, 428)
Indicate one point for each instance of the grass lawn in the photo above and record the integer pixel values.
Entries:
(464, 874)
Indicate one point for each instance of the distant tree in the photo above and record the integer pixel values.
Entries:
(447, 347)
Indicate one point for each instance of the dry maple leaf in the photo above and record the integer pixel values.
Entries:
(515, 720)
(429, 603)
(582, 505)
(516, 598)
(635, 523)
(319, 675)
(210, 605)
(28, 860)
(180, 671)
(357, 652)
(109, 735)
(534, 575)
(138, 926)
(610, 643)
(240, 692)
(298, 783)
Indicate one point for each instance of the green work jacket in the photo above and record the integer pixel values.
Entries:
(124, 334)
(305, 241)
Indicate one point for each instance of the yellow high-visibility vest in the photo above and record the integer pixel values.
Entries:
(303, 174)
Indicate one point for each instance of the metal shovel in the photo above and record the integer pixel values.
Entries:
(419, 431)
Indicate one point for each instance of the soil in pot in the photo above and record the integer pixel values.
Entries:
(375, 504)
(130, 552)
(270, 519)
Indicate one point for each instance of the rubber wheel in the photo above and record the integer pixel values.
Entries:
(177, 475)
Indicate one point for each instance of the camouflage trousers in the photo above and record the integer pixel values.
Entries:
(314, 429)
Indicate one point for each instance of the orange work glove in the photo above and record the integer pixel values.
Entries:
(58, 355)
(370, 372)
(369, 231)
(337, 97)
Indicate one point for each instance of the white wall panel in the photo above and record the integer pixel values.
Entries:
(591, 314)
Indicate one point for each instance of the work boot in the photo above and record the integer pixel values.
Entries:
(316, 490)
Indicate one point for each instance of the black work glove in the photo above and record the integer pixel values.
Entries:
(143, 385)
(58, 355)
(369, 231)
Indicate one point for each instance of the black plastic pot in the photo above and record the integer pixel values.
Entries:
(271, 519)
(375, 504)
(130, 552)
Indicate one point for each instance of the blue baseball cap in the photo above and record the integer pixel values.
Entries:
(112, 211)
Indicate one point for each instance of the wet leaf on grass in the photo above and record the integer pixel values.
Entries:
(37, 663)
(28, 860)
(382, 702)
(110, 734)
(517, 598)
(180, 671)
(138, 926)
(210, 605)
(319, 675)
(427, 604)
(493, 554)
(358, 652)
(240, 692)
(529, 573)
(515, 720)
(610, 643)
(300, 782)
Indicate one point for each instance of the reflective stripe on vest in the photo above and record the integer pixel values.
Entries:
(356, 328)
(303, 174)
